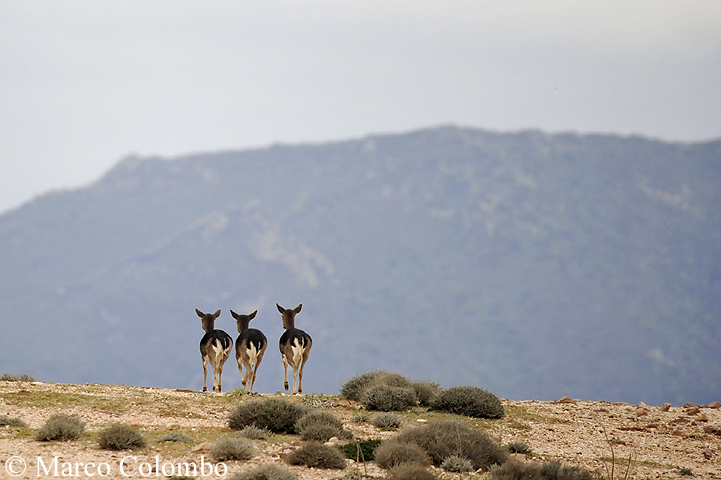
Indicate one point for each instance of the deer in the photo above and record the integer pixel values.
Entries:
(215, 349)
(294, 347)
(249, 348)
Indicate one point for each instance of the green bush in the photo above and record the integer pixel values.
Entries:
(387, 420)
(469, 401)
(7, 377)
(232, 448)
(254, 433)
(443, 439)
(392, 453)
(175, 437)
(547, 471)
(316, 455)
(361, 450)
(269, 471)
(410, 471)
(426, 392)
(357, 386)
(386, 398)
(454, 463)
(278, 416)
(60, 427)
(319, 426)
(119, 436)
(6, 421)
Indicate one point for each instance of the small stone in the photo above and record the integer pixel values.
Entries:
(641, 411)
(422, 420)
(566, 399)
(701, 418)
(680, 421)
(714, 405)
(713, 429)
(665, 407)
(693, 411)
(707, 453)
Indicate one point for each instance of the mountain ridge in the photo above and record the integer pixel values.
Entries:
(550, 261)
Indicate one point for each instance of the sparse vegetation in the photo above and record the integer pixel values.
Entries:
(392, 453)
(387, 398)
(361, 450)
(426, 392)
(120, 436)
(470, 401)
(7, 377)
(518, 447)
(457, 464)
(6, 421)
(540, 471)
(317, 455)
(278, 416)
(268, 471)
(319, 426)
(387, 420)
(175, 437)
(60, 427)
(254, 433)
(232, 448)
(443, 439)
(410, 471)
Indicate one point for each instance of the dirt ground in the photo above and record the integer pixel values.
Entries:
(660, 441)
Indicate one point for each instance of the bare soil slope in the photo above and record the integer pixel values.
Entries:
(662, 442)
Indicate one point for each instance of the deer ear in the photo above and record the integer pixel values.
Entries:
(280, 309)
(235, 315)
(297, 309)
(252, 315)
(216, 314)
(200, 314)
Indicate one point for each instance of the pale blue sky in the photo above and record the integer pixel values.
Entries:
(85, 83)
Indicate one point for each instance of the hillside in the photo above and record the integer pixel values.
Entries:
(534, 265)
(661, 441)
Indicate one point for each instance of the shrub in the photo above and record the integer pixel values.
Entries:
(410, 471)
(232, 448)
(361, 417)
(60, 427)
(518, 447)
(387, 398)
(441, 440)
(357, 386)
(6, 421)
(316, 455)
(362, 450)
(392, 453)
(426, 392)
(119, 436)
(254, 433)
(7, 377)
(268, 471)
(175, 437)
(387, 420)
(547, 471)
(454, 463)
(469, 401)
(276, 415)
(319, 426)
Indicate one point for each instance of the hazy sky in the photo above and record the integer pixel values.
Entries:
(85, 83)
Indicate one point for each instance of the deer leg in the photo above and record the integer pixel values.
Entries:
(205, 374)
(300, 375)
(220, 381)
(285, 372)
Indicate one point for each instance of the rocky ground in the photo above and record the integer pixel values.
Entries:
(661, 441)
